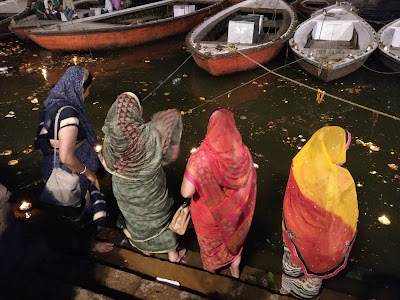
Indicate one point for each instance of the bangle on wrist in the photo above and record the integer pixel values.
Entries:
(84, 170)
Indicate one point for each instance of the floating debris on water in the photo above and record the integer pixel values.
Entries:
(255, 166)
(6, 152)
(359, 184)
(35, 101)
(35, 108)
(13, 162)
(26, 151)
(384, 220)
(393, 166)
(202, 98)
(369, 145)
(10, 114)
(147, 61)
(243, 117)
(176, 80)
(193, 150)
(373, 172)
(167, 93)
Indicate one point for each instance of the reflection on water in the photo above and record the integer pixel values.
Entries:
(275, 118)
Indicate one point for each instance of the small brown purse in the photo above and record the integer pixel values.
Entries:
(181, 219)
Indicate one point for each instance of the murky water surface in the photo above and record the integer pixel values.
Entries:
(272, 115)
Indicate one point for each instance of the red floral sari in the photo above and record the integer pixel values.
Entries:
(226, 186)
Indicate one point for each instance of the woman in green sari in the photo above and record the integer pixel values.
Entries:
(134, 152)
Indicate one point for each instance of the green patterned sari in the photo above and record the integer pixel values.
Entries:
(134, 152)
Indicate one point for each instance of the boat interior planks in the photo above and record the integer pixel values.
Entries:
(12, 10)
(333, 42)
(127, 27)
(271, 24)
(19, 27)
(389, 44)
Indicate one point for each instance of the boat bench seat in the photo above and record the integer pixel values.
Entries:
(272, 23)
(138, 20)
(315, 44)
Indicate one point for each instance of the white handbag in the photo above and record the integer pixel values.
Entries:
(62, 188)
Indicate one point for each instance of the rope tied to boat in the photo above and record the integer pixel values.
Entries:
(152, 93)
(229, 92)
(316, 90)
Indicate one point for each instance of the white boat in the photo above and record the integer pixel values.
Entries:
(389, 44)
(333, 42)
(256, 28)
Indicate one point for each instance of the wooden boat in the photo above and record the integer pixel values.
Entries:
(20, 27)
(9, 10)
(333, 42)
(214, 42)
(128, 27)
(389, 44)
(307, 7)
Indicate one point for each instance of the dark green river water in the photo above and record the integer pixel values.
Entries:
(271, 115)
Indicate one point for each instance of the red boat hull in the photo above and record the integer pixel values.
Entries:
(237, 63)
(120, 38)
(21, 32)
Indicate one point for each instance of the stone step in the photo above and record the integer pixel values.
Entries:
(253, 282)
(112, 283)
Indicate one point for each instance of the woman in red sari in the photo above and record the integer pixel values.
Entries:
(222, 182)
(320, 213)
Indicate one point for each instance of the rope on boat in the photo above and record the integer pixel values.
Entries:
(316, 90)
(380, 72)
(167, 78)
(238, 87)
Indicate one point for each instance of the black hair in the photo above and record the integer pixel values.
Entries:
(213, 112)
(87, 82)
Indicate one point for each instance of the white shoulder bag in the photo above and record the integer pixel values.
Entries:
(62, 187)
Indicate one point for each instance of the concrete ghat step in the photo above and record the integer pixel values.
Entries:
(108, 281)
(211, 285)
(191, 275)
(33, 285)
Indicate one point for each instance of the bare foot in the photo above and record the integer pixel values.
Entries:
(102, 247)
(234, 267)
(176, 256)
(283, 291)
(148, 254)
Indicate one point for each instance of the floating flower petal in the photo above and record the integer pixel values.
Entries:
(384, 220)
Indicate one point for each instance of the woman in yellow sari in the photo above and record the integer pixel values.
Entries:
(320, 213)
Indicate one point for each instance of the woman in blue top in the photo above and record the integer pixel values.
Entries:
(75, 135)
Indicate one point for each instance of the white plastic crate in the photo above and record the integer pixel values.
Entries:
(245, 29)
(180, 10)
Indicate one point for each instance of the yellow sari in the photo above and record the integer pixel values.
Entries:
(320, 208)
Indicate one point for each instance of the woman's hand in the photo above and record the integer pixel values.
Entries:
(90, 175)
(67, 140)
